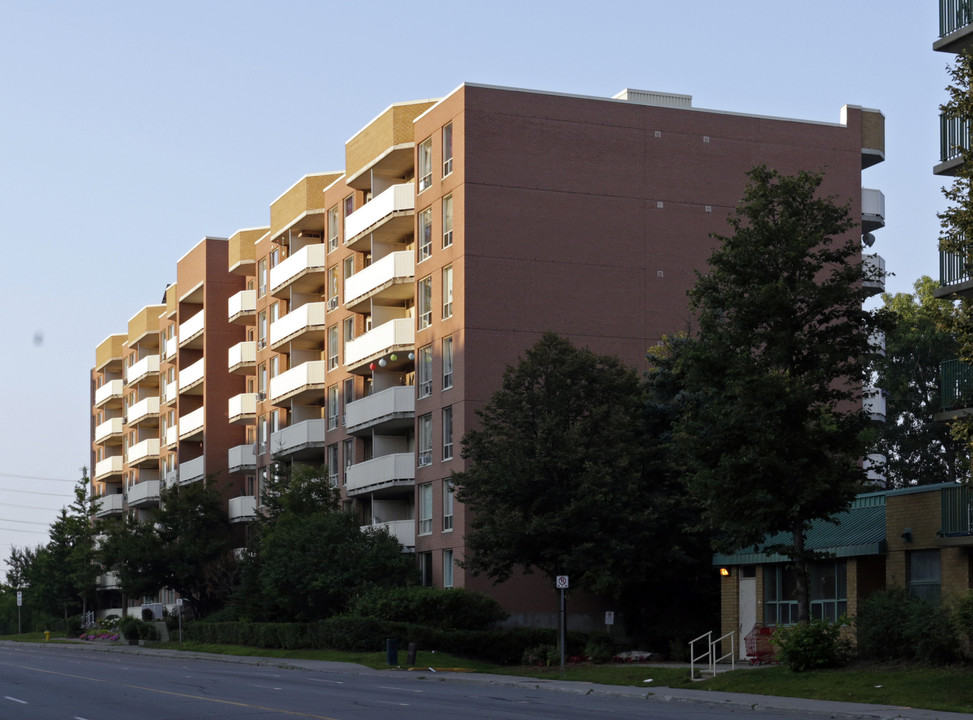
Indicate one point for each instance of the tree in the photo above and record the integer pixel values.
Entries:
(919, 451)
(772, 429)
(566, 478)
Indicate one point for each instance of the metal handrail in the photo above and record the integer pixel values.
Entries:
(692, 652)
(709, 654)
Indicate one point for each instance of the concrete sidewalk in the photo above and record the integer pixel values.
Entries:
(654, 694)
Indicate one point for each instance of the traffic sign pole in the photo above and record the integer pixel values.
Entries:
(562, 583)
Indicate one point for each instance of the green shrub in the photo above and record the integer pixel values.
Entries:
(454, 608)
(73, 626)
(600, 648)
(933, 635)
(546, 655)
(132, 628)
(963, 614)
(893, 625)
(817, 644)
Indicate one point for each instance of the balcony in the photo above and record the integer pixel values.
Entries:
(108, 581)
(874, 467)
(191, 424)
(387, 217)
(300, 441)
(108, 467)
(398, 335)
(172, 436)
(147, 492)
(303, 327)
(191, 378)
(145, 453)
(390, 278)
(144, 411)
(191, 332)
(874, 282)
(955, 26)
(873, 210)
(304, 384)
(241, 457)
(874, 403)
(192, 470)
(242, 409)
(955, 390)
(242, 307)
(146, 368)
(242, 358)
(243, 508)
(954, 275)
(110, 391)
(389, 411)
(402, 530)
(957, 516)
(172, 345)
(109, 505)
(110, 430)
(302, 272)
(393, 471)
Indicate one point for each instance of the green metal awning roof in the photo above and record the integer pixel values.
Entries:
(860, 531)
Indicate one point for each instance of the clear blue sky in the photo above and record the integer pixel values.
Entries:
(130, 130)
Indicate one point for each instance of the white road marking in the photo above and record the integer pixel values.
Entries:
(22, 702)
(334, 682)
(401, 689)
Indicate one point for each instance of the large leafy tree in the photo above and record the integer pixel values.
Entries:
(772, 432)
(918, 450)
(566, 477)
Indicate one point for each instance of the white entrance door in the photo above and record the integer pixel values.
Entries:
(748, 610)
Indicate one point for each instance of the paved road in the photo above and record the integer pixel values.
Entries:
(91, 682)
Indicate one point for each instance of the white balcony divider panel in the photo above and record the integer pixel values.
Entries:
(172, 345)
(172, 435)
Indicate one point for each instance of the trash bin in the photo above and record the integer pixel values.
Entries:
(47, 635)
(392, 651)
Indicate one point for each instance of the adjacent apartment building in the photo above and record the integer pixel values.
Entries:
(362, 328)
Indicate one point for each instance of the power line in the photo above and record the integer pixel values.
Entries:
(24, 522)
(32, 492)
(35, 477)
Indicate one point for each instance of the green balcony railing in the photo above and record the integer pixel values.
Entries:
(954, 136)
(955, 385)
(953, 269)
(957, 511)
(953, 15)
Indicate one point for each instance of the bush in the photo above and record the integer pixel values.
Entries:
(454, 608)
(818, 644)
(73, 626)
(963, 614)
(546, 655)
(600, 648)
(133, 628)
(894, 625)
(932, 633)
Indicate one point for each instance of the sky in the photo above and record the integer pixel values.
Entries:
(129, 131)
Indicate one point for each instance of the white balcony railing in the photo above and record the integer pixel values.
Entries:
(243, 354)
(143, 451)
(874, 273)
(402, 530)
(172, 389)
(310, 258)
(109, 466)
(306, 375)
(242, 508)
(111, 389)
(394, 266)
(147, 491)
(384, 471)
(192, 470)
(387, 405)
(242, 406)
(108, 581)
(109, 505)
(307, 318)
(108, 428)
(191, 329)
(143, 410)
(191, 422)
(874, 403)
(192, 374)
(299, 436)
(243, 304)
(171, 346)
(398, 198)
(172, 436)
(873, 209)
(394, 333)
(149, 365)
(241, 457)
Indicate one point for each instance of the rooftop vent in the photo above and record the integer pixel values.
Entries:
(651, 97)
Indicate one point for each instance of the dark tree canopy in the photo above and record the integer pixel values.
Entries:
(773, 430)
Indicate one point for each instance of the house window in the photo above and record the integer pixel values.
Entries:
(333, 465)
(332, 288)
(447, 221)
(333, 231)
(262, 277)
(447, 149)
(448, 433)
(425, 440)
(924, 577)
(425, 235)
(448, 291)
(424, 371)
(424, 300)
(332, 407)
(333, 347)
(349, 452)
(447, 505)
(827, 585)
(447, 363)
(425, 164)
(447, 568)
(425, 509)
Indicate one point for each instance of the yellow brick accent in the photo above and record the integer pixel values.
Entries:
(241, 252)
(306, 195)
(144, 322)
(873, 130)
(172, 301)
(393, 127)
(110, 350)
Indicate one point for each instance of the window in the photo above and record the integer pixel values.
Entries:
(274, 366)
(262, 379)
(348, 266)
(262, 277)
(333, 464)
(828, 592)
(448, 291)
(332, 407)
(332, 288)
(333, 347)
(262, 330)
(425, 164)
(425, 509)
(447, 568)
(424, 371)
(349, 329)
(274, 312)
(447, 221)
(425, 440)
(275, 257)
(447, 149)
(447, 505)
(263, 436)
(924, 575)
(425, 302)
(425, 235)
(333, 229)
(349, 452)
(447, 363)
(349, 391)
(448, 433)
(349, 206)
(425, 569)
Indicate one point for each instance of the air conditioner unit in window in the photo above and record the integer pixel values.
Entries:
(332, 303)
(261, 396)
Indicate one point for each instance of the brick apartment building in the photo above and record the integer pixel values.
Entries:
(363, 327)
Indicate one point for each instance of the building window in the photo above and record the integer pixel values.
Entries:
(332, 407)
(349, 391)
(425, 235)
(274, 366)
(349, 329)
(425, 569)
(332, 288)
(333, 347)
(262, 277)
(348, 266)
(349, 205)
(425, 164)
(447, 291)
(447, 149)
(924, 575)
(349, 452)
(263, 436)
(424, 371)
(333, 231)
(425, 440)
(333, 467)
(425, 509)
(447, 221)
(262, 380)
(448, 433)
(424, 301)
(447, 362)
(262, 330)
(447, 568)
(827, 588)
(447, 505)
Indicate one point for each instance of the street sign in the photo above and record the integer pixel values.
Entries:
(609, 617)
(561, 582)
(20, 598)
